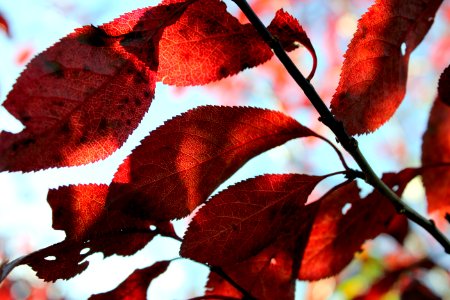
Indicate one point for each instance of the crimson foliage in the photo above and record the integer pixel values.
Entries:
(81, 99)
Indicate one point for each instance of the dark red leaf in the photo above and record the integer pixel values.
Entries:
(208, 44)
(69, 104)
(69, 97)
(181, 163)
(373, 78)
(246, 217)
(90, 224)
(4, 25)
(289, 32)
(331, 238)
(189, 156)
(335, 237)
(136, 285)
(83, 213)
(444, 86)
(435, 150)
(67, 258)
(81, 98)
(313, 241)
(399, 228)
(268, 275)
(59, 261)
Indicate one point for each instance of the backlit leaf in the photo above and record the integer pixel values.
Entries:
(208, 44)
(174, 170)
(435, 150)
(245, 218)
(91, 226)
(317, 240)
(136, 285)
(81, 98)
(335, 236)
(373, 77)
(268, 275)
(181, 163)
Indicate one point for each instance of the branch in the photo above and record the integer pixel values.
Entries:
(347, 142)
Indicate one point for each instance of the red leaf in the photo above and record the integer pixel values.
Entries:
(373, 78)
(136, 285)
(77, 114)
(81, 98)
(104, 219)
(435, 150)
(316, 240)
(84, 214)
(208, 44)
(335, 237)
(181, 163)
(444, 86)
(4, 25)
(289, 32)
(267, 275)
(330, 240)
(399, 228)
(67, 258)
(246, 217)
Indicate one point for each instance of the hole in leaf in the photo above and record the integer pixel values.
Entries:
(50, 258)
(395, 188)
(85, 251)
(403, 48)
(346, 208)
(152, 227)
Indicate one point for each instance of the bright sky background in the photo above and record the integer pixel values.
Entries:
(25, 218)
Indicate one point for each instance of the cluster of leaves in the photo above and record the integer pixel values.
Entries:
(80, 100)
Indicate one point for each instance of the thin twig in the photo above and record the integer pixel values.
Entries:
(338, 152)
(347, 142)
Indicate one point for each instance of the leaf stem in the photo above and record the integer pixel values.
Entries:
(347, 142)
(338, 152)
